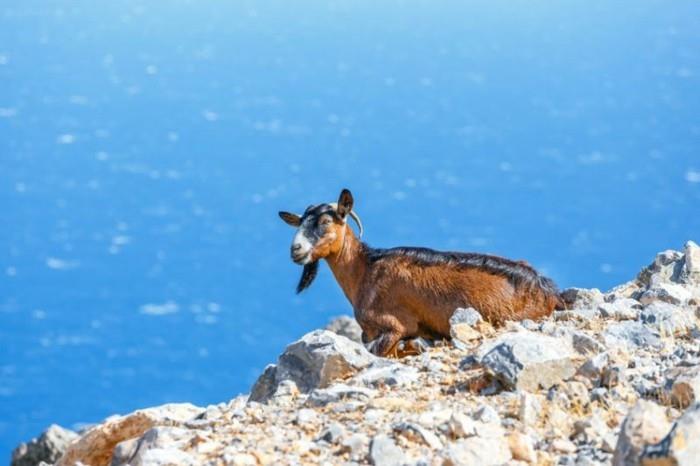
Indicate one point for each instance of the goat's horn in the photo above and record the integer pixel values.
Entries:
(354, 216)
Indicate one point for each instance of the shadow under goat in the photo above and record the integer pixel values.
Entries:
(409, 292)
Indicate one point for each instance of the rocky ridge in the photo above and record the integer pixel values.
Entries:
(613, 380)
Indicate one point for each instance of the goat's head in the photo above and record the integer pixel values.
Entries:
(320, 233)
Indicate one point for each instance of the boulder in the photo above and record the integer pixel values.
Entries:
(384, 452)
(582, 298)
(621, 309)
(48, 447)
(528, 360)
(667, 319)
(631, 335)
(346, 326)
(157, 446)
(314, 361)
(490, 447)
(681, 446)
(339, 392)
(95, 446)
(645, 424)
(691, 267)
(464, 326)
(383, 372)
(685, 390)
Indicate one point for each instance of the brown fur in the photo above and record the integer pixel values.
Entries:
(394, 297)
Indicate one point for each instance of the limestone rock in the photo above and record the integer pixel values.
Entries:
(621, 309)
(48, 447)
(346, 326)
(691, 271)
(631, 335)
(418, 433)
(95, 446)
(667, 319)
(314, 361)
(384, 372)
(384, 452)
(464, 326)
(681, 446)
(686, 387)
(521, 447)
(477, 450)
(646, 423)
(338, 392)
(527, 360)
(582, 298)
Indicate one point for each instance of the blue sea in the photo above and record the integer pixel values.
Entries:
(146, 147)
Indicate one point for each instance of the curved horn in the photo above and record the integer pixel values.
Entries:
(352, 214)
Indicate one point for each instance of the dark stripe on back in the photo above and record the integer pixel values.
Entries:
(519, 274)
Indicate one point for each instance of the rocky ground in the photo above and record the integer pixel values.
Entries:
(613, 380)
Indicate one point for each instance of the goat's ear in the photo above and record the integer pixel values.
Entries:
(290, 219)
(345, 202)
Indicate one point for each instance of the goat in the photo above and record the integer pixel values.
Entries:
(408, 292)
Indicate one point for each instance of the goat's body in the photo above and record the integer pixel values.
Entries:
(407, 292)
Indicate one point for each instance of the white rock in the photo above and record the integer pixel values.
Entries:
(384, 452)
(347, 327)
(685, 390)
(691, 267)
(528, 360)
(386, 372)
(646, 423)
(95, 446)
(418, 433)
(48, 447)
(681, 446)
(521, 447)
(315, 361)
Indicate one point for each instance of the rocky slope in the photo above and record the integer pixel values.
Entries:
(614, 380)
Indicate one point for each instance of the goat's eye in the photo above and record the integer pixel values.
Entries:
(326, 221)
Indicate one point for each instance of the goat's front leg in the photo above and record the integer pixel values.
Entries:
(385, 344)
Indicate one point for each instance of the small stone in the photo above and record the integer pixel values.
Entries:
(680, 447)
(355, 445)
(611, 376)
(645, 423)
(593, 368)
(463, 326)
(528, 361)
(631, 335)
(306, 416)
(418, 433)
(561, 445)
(667, 319)
(346, 326)
(384, 372)
(339, 392)
(667, 292)
(576, 298)
(48, 447)
(620, 309)
(461, 426)
(384, 452)
(585, 344)
(691, 266)
(332, 433)
(686, 387)
(529, 409)
(486, 451)
(521, 447)
(486, 413)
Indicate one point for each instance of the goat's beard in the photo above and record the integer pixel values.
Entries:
(307, 276)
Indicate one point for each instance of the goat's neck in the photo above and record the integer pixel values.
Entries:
(349, 266)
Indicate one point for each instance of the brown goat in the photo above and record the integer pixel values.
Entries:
(402, 293)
